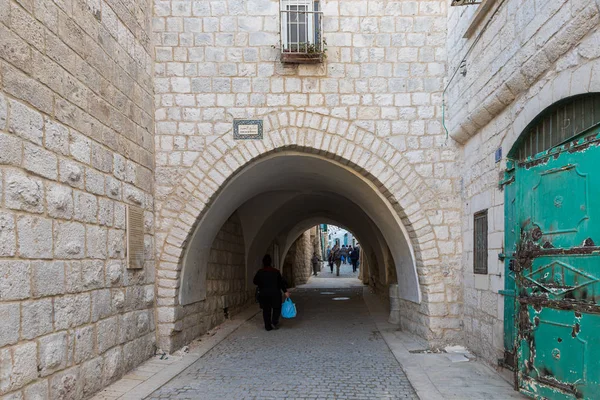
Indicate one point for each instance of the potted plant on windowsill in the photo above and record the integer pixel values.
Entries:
(305, 53)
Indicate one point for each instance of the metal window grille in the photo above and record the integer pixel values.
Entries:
(559, 124)
(301, 27)
(480, 243)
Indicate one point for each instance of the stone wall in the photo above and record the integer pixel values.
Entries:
(531, 56)
(302, 266)
(76, 146)
(226, 286)
(297, 267)
(374, 104)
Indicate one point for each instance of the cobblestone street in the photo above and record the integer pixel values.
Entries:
(331, 350)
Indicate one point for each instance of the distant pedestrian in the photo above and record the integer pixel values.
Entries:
(330, 259)
(315, 263)
(270, 286)
(337, 258)
(344, 254)
(354, 256)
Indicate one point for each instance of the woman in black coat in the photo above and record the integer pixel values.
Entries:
(270, 286)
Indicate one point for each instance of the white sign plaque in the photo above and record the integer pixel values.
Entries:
(244, 129)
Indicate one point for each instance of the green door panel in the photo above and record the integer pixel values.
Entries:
(558, 358)
(552, 237)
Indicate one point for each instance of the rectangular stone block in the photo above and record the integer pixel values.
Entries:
(69, 239)
(59, 199)
(35, 237)
(52, 353)
(10, 315)
(14, 280)
(24, 365)
(23, 192)
(71, 311)
(25, 122)
(66, 385)
(86, 207)
(71, 173)
(96, 241)
(37, 318)
(40, 161)
(91, 375)
(84, 343)
(80, 147)
(57, 137)
(11, 146)
(36, 391)
(101, 304)
(94, 181)
(48, 278)
(113, 365)
(107, 334)
(8, 238)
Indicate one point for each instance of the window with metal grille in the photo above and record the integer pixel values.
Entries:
(301, 31)
(480, 243)
(559, 124)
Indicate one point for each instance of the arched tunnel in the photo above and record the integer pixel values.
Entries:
(272, 201)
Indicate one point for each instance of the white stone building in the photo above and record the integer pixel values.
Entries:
(340, 236)
(110, 104)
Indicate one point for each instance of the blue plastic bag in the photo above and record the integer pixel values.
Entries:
(288, 309)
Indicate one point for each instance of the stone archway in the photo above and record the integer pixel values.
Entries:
(374, 161)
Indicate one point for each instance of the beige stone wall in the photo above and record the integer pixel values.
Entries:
(226, 286)
(533, 55)
(297, 267)
(76, 146)
(302, 266)
(374, 105)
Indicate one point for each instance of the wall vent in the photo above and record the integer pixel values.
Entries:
(135, 237)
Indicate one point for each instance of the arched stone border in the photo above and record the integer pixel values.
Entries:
(329, 137)
(568, 83)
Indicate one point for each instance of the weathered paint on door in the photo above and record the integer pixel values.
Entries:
(553, 254)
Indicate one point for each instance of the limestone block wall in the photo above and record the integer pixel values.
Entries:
(297, 267)
(226, 287)
(531, 56)
(76, 127)
(302, 265)
(383, 77)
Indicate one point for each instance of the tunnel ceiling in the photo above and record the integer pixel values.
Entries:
(300, 211)
(276, 195)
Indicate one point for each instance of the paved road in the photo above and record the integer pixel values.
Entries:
(332, 350)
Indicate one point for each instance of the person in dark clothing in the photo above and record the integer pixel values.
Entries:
(315, 263)
(270, 285)
(354, 256)
(330, 259)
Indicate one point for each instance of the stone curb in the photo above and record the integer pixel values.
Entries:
(434, 376)
(154, 373)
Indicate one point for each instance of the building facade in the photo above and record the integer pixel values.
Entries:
(395, 119)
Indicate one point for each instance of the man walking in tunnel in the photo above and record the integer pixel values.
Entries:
(354, 256)
(270, 286)
(315, 263)
(336, 254)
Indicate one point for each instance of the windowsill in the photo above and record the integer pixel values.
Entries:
(479, 16)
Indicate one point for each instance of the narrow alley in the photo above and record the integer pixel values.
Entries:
(331, 350)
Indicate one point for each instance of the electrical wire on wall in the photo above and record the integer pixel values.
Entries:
(463, 66)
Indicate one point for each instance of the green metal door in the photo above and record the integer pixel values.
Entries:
(553, 253)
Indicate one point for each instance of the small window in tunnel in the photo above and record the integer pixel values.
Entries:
(480, 243)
